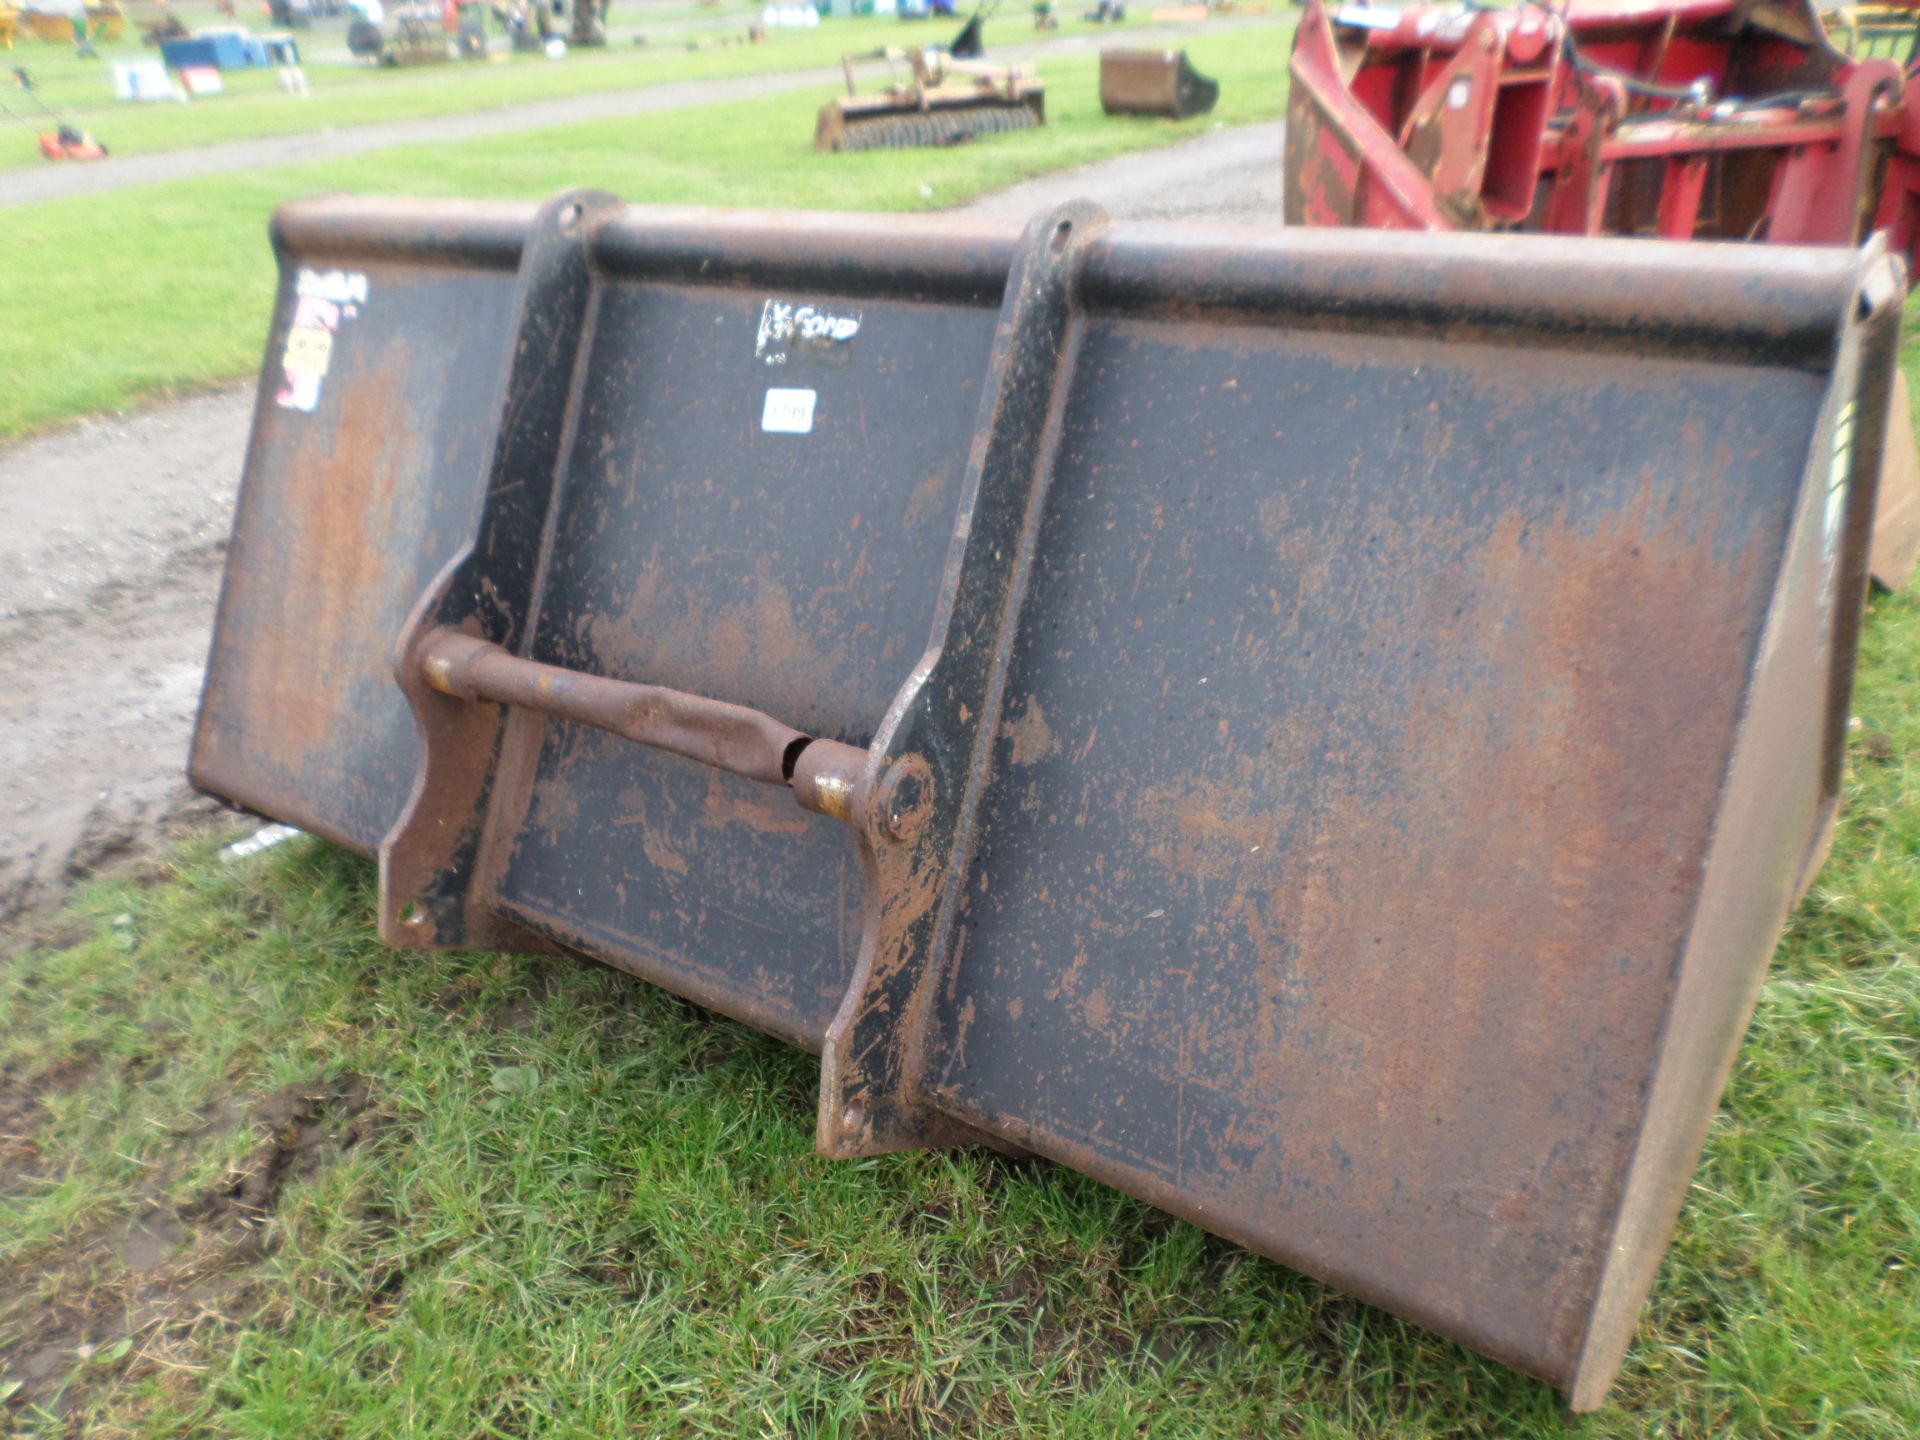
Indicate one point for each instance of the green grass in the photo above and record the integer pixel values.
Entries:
(168, 288)
(254, 106)
(587, 1208)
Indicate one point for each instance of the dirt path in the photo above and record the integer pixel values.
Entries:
(111, 537)
(112, 533)
(55, 182)
(1228, 175)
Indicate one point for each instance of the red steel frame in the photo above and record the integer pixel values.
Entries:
(1710, 119)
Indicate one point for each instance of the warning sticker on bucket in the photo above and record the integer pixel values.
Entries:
(788, 412)
(325, 302)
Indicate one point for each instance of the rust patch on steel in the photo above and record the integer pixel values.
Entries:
(1032, 740)
(330, 575)
(736, 805)
(750, 649)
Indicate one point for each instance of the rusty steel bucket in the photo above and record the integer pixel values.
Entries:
(1896, 518)
(1154, 82)
(1319, 730)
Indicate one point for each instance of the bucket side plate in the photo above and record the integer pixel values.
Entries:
(346, 511)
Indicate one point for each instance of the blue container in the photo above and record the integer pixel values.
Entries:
(221, 49)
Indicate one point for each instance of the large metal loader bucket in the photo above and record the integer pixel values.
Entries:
(1319, 730)
(1896, 517)
(1154, 82)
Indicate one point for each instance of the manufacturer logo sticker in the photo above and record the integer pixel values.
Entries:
(787, 330)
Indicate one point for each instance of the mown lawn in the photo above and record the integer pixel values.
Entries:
(168, 288)
(253, 104)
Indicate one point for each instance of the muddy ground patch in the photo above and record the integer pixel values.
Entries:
(115, 1300)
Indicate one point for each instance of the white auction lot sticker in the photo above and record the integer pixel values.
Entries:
(788, 412)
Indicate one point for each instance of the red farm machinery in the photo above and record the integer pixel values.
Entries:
(1732, 120)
